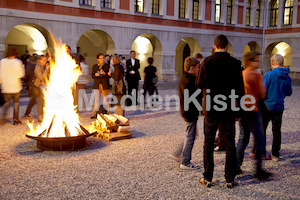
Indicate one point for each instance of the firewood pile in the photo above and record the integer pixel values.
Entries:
(111, 127)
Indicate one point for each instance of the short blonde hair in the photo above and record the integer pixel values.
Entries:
(278, 59)
(116, 60)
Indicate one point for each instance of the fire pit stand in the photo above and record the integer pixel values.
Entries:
(61, 143)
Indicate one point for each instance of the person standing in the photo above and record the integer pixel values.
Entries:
(220, 74)
(150, 73)
(42, 72)
(101, 75)
(278, 84)
(118, 76)
(25, 57)
(251, 118)
(133, 75)
(11, 72)
(186, 87)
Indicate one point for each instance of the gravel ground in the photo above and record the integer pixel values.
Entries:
(140, 168)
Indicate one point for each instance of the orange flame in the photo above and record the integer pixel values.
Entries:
(60, 115)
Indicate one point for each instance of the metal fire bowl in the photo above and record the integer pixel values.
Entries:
(61, 143)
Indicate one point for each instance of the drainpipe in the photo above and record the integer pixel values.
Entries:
(263, 39)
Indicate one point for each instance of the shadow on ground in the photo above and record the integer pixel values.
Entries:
(30, 149)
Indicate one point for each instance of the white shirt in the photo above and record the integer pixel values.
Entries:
(132, 61)
(11, 72)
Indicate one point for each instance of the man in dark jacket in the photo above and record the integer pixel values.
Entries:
(189, 111)
(132, 74)
(100, 74)
(219, 76)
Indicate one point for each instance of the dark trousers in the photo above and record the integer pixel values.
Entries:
(150, 88)
(9, 97)
(276, 118)
(31, 103)
(210, 128)
(220, 139)
(251, 122)
(133, 83)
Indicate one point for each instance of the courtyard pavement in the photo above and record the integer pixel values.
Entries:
(140, 168)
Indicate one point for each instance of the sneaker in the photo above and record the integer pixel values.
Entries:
(274, 158)
(230, 184)
(190, 166)
(219, 150)
(205, 182)
(262, 175)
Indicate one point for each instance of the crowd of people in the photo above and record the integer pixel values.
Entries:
(111, 74)
(229, 92)
(224, 91)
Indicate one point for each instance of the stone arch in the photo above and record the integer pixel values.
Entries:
(278, 48)
(93, 42)
(182, 45)
(251, 46)
(31, 37)
(148, 45)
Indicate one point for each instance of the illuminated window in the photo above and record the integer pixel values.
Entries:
(106, 3)
(85, 2)
(248, 13)
(155, 7)
(257, 21)
(229, 11)
(139, 5)
(195, 9)
(218, 11)
(274, 13)
(288, 12)
(182, 8)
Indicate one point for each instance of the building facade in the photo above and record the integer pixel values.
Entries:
(167, 30)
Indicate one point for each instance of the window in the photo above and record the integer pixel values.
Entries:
(257, 21)
(218, 11)
(274, 13)
(85, 2)
(248, 13)
(182, 8)
(139, 5)
(195, 9)
(229, 12)
(106, 3)
(155, 7)
(288, 12)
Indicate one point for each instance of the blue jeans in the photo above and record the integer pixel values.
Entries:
(251, 122)
(191, 132)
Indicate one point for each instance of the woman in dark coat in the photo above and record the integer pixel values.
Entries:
(150, 78)
(118, 76)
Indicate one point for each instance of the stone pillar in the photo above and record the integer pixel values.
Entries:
(189, 5)
(213, 11)
(280, 14)
(202, 7)
(116, 5)
(147, 8)
(223, 16)
(176, 8)
(168, 66)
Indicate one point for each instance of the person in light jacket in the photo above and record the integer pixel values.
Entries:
(11, 72)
